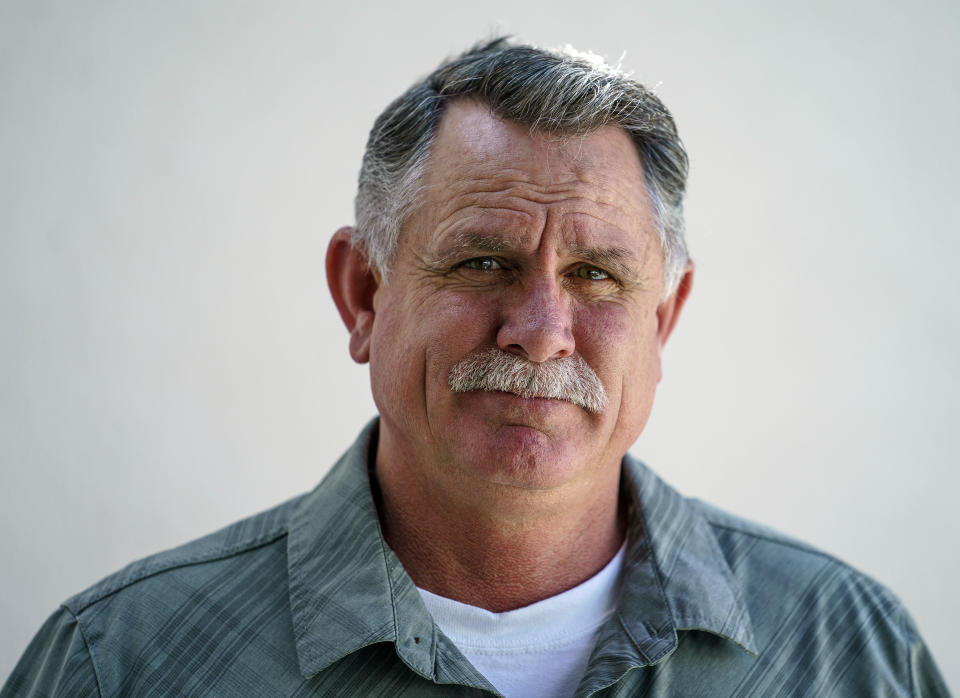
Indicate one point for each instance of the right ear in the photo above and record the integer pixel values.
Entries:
(353, 280)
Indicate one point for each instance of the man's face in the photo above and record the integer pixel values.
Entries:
(541, 247)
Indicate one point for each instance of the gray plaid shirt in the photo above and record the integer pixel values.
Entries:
(307, 599)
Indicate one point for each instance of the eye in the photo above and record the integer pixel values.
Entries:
(591, 273)
(482, 264)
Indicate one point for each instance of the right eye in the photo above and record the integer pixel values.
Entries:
(482, 264)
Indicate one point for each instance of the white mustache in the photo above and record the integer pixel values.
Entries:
(495, 370)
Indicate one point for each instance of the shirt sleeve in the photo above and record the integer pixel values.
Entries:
(57, 662)
(925, 678)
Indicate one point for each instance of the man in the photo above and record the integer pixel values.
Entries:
(517, 267)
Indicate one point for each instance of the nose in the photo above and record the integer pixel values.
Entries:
(537, 322)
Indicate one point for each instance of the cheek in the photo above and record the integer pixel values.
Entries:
(417, 342)
(453, 327)
(393, 364)
(608, 334)
(461, 317)
(620, 344)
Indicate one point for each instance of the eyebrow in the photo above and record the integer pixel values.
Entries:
(483, 243)
(619, 261)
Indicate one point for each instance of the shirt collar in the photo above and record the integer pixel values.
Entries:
(677, 576)
(348, 589)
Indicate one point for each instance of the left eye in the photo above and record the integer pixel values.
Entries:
(591, 273)
(482, 264)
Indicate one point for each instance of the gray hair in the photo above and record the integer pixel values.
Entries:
(562, 92)
(492, 369)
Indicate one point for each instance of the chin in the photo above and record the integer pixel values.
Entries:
(521, 456)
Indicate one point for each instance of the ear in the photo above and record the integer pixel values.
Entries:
(353, 281)
(669, 310)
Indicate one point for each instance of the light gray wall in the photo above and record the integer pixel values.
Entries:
(170, 173)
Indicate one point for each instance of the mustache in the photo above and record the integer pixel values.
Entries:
(495, 370)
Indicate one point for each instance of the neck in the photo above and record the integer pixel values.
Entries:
(498, 547)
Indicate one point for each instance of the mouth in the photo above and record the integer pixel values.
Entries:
(510, 405)
(510, 402)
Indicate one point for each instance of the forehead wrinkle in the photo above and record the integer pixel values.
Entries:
(631, 227)
(526, 192)
(525, 211)
(511, 203)
(616, 190)
(472, 175)
(474, 182)
(469, 223)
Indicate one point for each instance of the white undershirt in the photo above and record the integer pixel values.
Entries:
(540, 650)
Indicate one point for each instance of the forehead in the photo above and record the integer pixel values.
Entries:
(486, 171)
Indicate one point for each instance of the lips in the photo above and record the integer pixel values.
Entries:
(517, 410)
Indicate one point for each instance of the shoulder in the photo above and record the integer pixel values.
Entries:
(815, 617)
(738, 535)
(245, 538)
(177, 618)
(760, 556)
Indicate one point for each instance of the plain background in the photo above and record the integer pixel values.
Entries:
(170, 174)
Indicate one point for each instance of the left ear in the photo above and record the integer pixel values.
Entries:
(669, 310)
